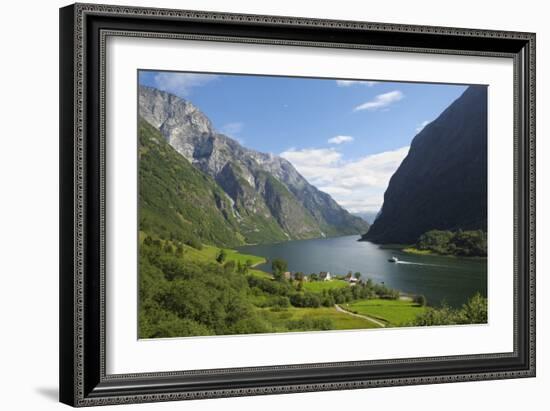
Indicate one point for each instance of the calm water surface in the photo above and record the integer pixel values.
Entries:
(438, 278)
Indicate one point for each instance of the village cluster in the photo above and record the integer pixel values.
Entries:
(351, 278)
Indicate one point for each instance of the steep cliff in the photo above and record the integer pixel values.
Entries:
(442, 183)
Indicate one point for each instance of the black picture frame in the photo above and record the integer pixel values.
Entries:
(83, 29)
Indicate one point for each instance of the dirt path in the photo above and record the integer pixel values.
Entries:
(374, 320)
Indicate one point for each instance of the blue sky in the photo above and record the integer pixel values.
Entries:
(346, 137)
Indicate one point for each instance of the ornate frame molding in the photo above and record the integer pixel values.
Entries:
(83, 378)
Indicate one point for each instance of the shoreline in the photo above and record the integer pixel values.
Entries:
(328, 237)
(428, 253)
(412, 250)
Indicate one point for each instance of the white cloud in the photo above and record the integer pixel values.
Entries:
(381, 101)
(357, 185)
(181, 84)
(340, 139)
(312, 157)
(232, 129)
(348, 83)
(421, 126)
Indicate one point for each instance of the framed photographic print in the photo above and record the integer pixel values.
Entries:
(260, 204)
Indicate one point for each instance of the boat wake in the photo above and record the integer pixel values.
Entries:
(413, 263)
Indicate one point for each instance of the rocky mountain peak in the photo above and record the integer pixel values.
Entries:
(178, 120)
(254, 180)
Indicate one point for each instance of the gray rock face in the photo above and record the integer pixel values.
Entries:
(442, 183)
(258, 183)
(180, 122)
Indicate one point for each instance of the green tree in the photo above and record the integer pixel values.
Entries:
(357, 275)
(229, 266)
(420, 300)
(195, 243)
(475, 310)
(222, 255)
(463, 243)
(299, 276)
(278, 268)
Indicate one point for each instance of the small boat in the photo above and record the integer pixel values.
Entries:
(393, 260)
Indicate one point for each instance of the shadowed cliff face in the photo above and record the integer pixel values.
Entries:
(270, 199)
(442, 183)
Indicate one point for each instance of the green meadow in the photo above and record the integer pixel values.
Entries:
(322, 318)
(319, 286)
(392, 312)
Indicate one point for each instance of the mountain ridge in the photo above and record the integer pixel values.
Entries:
(263, 188)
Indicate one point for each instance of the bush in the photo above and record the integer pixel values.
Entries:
(437, 316)
(270, 286)
(222, 255)
(306, 299)
(473, 312)
(278, 268)
(195, 243)
(327, 301)
(278, 302)
(229, 267)
(420, 300)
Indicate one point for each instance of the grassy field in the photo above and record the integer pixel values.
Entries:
(406, 248)
(319, 286)
(259, 273)
(340, 321)
(394, 246)
(412, 250)
(393, 312)
(209, 253)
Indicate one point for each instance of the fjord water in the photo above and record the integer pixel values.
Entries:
(438, 278)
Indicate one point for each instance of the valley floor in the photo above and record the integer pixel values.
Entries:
(357, 313)
(206, 290)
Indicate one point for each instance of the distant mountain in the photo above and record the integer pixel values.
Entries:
(264, 198)
(442, 183)
(368, 216)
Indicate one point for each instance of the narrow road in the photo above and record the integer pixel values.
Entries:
(373, 320)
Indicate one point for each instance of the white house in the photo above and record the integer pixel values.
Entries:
(325, 276)
(351, 279)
